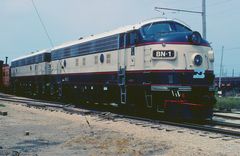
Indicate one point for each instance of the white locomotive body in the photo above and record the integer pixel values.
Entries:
(158, 65)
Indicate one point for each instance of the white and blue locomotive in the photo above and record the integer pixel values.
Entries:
(158, 65)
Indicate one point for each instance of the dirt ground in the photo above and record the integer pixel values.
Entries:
(61, 134)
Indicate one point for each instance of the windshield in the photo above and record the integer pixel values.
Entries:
(153, 30)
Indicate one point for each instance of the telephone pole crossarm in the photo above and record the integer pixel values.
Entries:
(180, 10)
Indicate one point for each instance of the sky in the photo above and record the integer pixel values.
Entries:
(22, 33)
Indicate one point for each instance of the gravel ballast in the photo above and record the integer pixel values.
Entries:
(31, 131)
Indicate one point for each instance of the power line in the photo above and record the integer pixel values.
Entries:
(219, 2)
(211, 4)
(230, 49)
(41, 21)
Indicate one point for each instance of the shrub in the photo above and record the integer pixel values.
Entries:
(227, 103)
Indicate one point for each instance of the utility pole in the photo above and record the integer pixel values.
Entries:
(220, 75)
(233, 72)
(203, 13)
(204, 19)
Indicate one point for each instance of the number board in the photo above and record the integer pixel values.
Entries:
(163, 54)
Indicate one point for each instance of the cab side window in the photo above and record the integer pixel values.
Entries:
(133, 38)
(121, 40)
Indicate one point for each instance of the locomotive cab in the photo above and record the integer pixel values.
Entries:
(180, 68)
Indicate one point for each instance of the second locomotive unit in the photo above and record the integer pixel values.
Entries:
(158, 65)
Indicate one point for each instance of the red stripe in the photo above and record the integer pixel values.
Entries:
(191, 85)
(160, 71)
(115, 72)
(164, 71)
(135, 71)
(181, 102)
(180, 43)
(89, 73)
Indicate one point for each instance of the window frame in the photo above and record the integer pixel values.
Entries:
(108, 58)
(84, 61)
(77, 62)
(96, 59)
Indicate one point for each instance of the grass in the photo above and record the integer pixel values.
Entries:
(2, 105)
(227, 103)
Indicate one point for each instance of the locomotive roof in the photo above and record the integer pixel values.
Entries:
(114, 32)
(33, 54)
(102, 35)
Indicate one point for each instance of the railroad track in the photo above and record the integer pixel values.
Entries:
(226, 124)
(227, 116)
(12, 98)
(208, 126)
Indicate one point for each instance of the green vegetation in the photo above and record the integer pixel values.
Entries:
(227, 103)
(2, 105)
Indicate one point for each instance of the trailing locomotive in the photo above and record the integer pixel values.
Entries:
(158, 65)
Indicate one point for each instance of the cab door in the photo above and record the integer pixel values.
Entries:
(133, 40)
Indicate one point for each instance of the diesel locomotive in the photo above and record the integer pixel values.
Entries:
(158, 65)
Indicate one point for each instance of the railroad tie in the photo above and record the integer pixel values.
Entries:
(3, 113)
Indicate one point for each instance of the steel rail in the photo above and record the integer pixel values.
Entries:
(206, 128)
(226, 116)
(226, 124)
(190, 126)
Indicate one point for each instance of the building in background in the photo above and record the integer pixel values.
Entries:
(230, 86)
(4, 75)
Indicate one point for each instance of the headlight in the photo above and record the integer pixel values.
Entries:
(198, 60)
(211, 56)
(195, 38)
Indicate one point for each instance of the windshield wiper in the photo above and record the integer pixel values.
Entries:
(149, 27)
